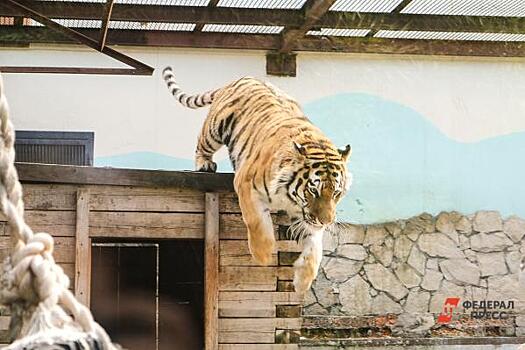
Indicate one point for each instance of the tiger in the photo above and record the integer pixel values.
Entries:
(281, 162)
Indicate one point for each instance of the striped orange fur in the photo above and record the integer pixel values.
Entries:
(281, 161)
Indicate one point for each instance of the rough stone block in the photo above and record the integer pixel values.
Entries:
(460, 271)
(375, 234)
(514, 227)
(354, 296)
(487, 221)
(438, 244)
(341, 269)
(352, 251)
(407, 275)
(417, 259)
(491, 242)
(383, 279)
(402, 247)
(431, 280)
(383, 304)
(492, 264)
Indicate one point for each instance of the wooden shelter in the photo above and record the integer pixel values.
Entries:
(280, 27)
(246, 306)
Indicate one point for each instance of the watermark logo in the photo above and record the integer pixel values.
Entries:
(448, 309)
(479, 309)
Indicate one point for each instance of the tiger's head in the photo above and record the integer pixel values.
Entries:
(320, 182)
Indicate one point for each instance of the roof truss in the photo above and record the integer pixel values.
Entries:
(295, 36)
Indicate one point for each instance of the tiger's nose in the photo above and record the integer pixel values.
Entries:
(326, 219)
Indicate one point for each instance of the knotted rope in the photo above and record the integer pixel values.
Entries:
(43, 309)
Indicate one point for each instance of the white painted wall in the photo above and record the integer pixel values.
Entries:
(469, 99)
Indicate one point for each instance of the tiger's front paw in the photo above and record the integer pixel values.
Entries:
(305, 271)
(261, 249)
(208, 166)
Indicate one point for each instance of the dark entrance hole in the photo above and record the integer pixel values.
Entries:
(149, 294)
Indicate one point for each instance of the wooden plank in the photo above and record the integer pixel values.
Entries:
(262, 278)
(64, 249)
(83, 249)
(50, 197)
(276, 298)
(233, 227)
(147, 200)
(68, 174)
(146, 225)
(57, 223)
(211, 278)
(229, 203)
(246, 309)
(237, 252)
(253, 330)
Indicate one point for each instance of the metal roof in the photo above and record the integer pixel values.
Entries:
(432, 27)
(339, 32)
(365, 5)
(262, 4)
(506, 8)
(406, 34)
(246, 29)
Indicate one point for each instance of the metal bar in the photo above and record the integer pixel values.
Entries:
(313, 11)
(105, 23)
(76, 36)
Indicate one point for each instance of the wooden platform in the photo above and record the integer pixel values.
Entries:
(246, 306)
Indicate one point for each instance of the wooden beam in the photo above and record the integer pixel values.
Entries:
(281, 64)
(313, 11)
(72, 70)
(211, 277)
(211, 4)
(105, 24)
(402, 21)
(402, 5)
(68, 174)
(413, 47)
(83, 249)
(79, 37)
(271, 42)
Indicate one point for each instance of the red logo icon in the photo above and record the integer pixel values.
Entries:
(448, 308)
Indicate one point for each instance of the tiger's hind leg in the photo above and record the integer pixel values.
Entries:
(207, 145)
(256, 216)
(307, 265)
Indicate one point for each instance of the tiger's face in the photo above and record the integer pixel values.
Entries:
(320, 184)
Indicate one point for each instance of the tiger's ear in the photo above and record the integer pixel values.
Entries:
(345, 152)
(299, 148)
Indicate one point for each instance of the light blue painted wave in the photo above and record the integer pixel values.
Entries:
(401, 163)
(152, 160)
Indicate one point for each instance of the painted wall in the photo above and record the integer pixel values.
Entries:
(428, 134)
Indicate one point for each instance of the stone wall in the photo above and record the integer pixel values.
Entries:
(393, 278)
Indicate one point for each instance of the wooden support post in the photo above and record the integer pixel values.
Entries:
(83, 249)
(281, 64)
(211, 275)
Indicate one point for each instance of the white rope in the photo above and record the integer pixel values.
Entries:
(32, 284)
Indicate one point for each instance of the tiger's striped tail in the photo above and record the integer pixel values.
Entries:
(190, 101)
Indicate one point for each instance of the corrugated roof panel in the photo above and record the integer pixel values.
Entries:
(266, 4)
(165, 2)
(509, 8)
(365, 5)
(7, 21)
(71, 23)
(174, 27)
(339, 32)
(248, 29)
(401, 34)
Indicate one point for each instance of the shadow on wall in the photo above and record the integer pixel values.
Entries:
(402, 164)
